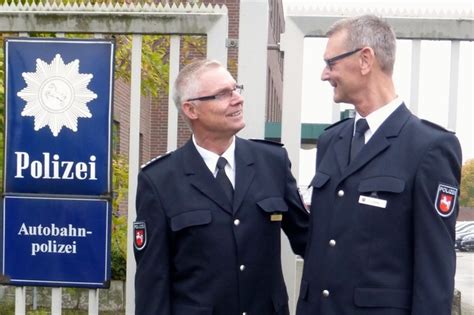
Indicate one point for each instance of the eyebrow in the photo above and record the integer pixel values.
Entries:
(224, 89)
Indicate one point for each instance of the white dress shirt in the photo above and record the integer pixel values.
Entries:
(210, 158)
(376, 118)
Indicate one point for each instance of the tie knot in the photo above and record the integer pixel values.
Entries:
(361, 126)
(221, 163)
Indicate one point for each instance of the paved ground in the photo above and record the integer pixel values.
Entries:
(465, 281)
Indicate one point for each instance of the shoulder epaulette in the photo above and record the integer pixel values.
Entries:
(267, 142)
(436, 126)
(336, 123)
(156, 159)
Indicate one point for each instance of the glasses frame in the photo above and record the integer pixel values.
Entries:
(223, 94)
(331, 61)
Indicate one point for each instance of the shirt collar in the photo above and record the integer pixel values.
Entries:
(376, 118)
(210, 158)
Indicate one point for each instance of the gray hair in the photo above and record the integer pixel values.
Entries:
(187, 83)
(371, 31)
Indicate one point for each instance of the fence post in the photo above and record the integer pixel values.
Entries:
(93, 301)
(56, 301)
(133, 166)
(172, 142)
(20, 301)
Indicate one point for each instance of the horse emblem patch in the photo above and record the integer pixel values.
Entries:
(139, 232)
(445, 200)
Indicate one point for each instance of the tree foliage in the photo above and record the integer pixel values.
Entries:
(155, 68)
(467, 184)
(119, 220)
(155, 59)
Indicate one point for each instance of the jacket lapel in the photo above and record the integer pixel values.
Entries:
(245, 171)
(379, 142)
(342, 146)
(201, 178)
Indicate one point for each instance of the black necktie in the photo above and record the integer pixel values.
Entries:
(223, 180)
(358, 140)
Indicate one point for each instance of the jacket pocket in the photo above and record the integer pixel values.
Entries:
(319, 180)
(273, 204)
(181, 309)
(191, 218)
(382, 183)
(372, 297)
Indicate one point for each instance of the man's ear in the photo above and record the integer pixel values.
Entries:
(367, 59)
(189, 110)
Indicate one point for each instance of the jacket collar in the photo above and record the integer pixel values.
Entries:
(202, 179)
(379, 142)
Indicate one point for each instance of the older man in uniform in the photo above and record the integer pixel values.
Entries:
(209, 214)
(385, 192)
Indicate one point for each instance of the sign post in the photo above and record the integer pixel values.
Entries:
(57, 169)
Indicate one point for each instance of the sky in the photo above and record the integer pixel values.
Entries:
(434, 80)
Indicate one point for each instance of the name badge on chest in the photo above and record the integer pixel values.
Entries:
(276, 217)
(371, 201)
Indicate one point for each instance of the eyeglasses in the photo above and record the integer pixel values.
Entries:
(331, 61)
(226, 94)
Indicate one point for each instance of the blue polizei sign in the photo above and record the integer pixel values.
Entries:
(58, 116)
(56, 242)
(57, 166)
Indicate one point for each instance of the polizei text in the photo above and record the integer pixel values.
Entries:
(54, 168)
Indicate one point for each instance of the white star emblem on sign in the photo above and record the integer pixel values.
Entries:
(56, 94)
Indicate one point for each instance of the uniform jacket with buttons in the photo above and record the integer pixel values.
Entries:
(205, 255)
(396, 254)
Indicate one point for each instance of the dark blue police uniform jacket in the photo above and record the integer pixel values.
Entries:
(374, 257)
(204, 255)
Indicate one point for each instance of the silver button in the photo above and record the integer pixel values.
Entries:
(242, 267)
(244, 313)
(236, 222)
(332, 243)
(325, 293)
(340, 193)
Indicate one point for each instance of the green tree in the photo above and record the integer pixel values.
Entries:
(155, 59)
(467, 184)
(155, 69)
(119, 220)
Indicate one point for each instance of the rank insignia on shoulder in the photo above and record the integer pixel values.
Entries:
(267, 142)
(445, 201)
(139, 232)
(156, 159)
(436, 126)
(337, 123)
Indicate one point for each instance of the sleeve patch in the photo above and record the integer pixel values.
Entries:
(139, 235)
(446, 197)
